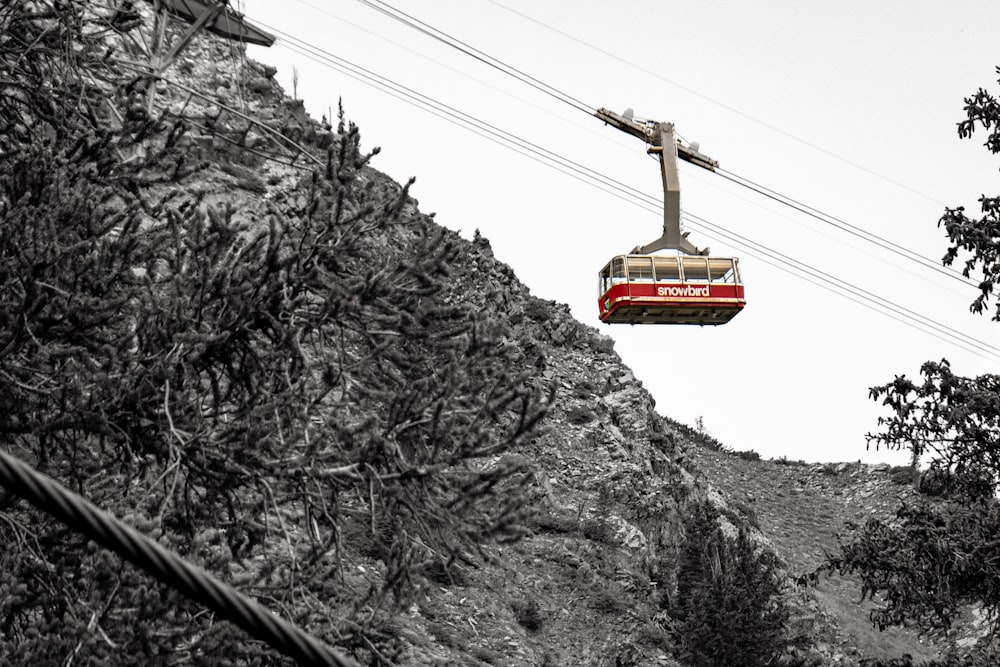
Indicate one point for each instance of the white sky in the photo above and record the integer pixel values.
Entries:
(878, 84)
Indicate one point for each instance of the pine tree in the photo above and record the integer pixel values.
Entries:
(727, 609)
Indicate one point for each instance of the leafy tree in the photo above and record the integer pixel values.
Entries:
(940, 555)
(728, 608)
(942, 551)
(954, 419)
(978, 236)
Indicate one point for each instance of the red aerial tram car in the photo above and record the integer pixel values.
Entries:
(670, 289)
(688, 287)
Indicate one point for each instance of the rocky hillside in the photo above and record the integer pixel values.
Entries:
(574, 524)
(803, 508)
(610, 477)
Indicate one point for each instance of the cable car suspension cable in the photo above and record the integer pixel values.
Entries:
(482, 128)
(721, 105)
(845, 226)
(868, 295)
(763, 256)
(467, 49)
(596, 179)
(471, 51)
(589, 128)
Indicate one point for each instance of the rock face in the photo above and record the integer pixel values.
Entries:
(613, 481)
(612, 474)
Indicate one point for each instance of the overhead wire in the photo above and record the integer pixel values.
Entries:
(912, 269)
(467, 49)
(845, 226)
(861, 292)
(471, 51)
(628, 193)
(765, 255)
(718, 103)
(486, 130)
(479, 80)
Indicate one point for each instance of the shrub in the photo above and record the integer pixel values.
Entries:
(598, 528)
(600, 343)
(700, 437)
(538, 310)
(745, 512)
(785, 461)
(967, 481)
(579, 415)
(609, 602)
(443, 573)
(549, 522)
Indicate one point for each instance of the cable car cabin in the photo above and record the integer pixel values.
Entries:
(682, 289)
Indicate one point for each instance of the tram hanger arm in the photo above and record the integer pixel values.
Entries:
(660, 136)
(651, 134)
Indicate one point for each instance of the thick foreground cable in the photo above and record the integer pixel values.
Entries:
(79, 514)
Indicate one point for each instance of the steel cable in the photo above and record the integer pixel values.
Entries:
(612, 186)
(484, 129)
(722, 105)
(195, 583)
(471, 51)
(927, 324)
(806, 274)
(523, 77)
(845, 226)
